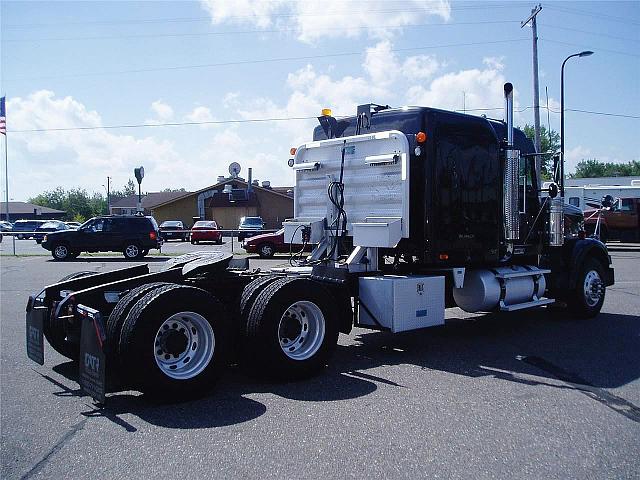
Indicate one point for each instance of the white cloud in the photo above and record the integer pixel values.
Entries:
(330, 18)
(162, 110)
(420, 67)
(384, 67)
(252, 12)
(44, 160)
(475, 87)
(496, 63)
(575, 155)
(381, 64)
(201, 114)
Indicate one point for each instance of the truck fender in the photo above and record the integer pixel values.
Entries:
(589, 248)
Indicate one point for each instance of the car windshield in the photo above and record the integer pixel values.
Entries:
(252, 221)
(85, 224)
(171, 223)
(203, 224)
(50, 225)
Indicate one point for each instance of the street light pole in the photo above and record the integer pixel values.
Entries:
(585, 53)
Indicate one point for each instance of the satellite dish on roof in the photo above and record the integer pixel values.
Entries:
(234, 169)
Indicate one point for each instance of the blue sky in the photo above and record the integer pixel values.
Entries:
(95, 64)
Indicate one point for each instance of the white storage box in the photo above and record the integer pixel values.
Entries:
(401, 303)
(377, 232)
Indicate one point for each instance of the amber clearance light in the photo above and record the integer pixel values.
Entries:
(421, 137)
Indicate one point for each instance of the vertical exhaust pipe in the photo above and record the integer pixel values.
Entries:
(249, 180)
(512, 160)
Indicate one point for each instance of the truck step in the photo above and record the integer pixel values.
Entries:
(522, 306)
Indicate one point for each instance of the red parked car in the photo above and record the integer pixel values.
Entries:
(205, 231)
(267, 244)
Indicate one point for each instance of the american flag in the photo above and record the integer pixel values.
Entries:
(3, 117)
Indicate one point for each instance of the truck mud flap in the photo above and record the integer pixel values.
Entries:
(92, 369)
(36, 313)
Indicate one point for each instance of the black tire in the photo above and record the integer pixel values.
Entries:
(38, 241)
(132, 250)
(276, 310)
(144, 253)
(119, 315)
(143, 333)
(251, 292)
(266, 250)
(71, 276)
(60, 252)
(587, 298)
(54, 328)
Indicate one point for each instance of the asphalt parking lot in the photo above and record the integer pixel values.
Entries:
(530, 395)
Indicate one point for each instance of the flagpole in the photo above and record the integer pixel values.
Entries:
(6, 178)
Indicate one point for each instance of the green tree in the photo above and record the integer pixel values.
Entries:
(549, 144)
(77, 204)
(591, 168)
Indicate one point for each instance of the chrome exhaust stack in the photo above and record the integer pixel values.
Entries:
(512, 163)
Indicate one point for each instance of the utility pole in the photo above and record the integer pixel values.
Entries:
(536, 89)
(108, 196)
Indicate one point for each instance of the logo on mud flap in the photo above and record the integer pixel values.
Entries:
(91, 362)
(34, 334)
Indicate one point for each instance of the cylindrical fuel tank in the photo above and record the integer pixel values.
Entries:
(483, 290)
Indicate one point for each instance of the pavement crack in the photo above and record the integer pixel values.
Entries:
(55, 449)
(608, 399)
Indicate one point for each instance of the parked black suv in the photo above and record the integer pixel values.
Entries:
(131, 235)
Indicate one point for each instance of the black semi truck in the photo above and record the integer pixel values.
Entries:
(409, 211)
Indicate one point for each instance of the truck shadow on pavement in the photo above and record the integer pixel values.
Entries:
(535, 349)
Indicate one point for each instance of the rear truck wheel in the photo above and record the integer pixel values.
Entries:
(54, 328)
(132, 251)
(292, 329)
(174, 342)
(266, 250)
(119, 315)
(251, 292)
(60, 252)
(588, 295)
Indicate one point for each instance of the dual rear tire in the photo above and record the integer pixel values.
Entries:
(291, 328)
(170, 341)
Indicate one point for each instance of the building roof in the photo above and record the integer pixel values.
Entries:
(274, 190)
(601, 181)
(149, 200)
(16, 208)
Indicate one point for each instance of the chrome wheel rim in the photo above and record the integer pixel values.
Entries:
(267, 251)
(301, 330)
(61, 251)
(132, 251)
(184, 345)
(593, 288)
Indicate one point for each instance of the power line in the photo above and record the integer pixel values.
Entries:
(279, 119)
(254, 16)
(243, 32)
(591, 33)
(545, 39)
(264, 60)
(598, 15)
